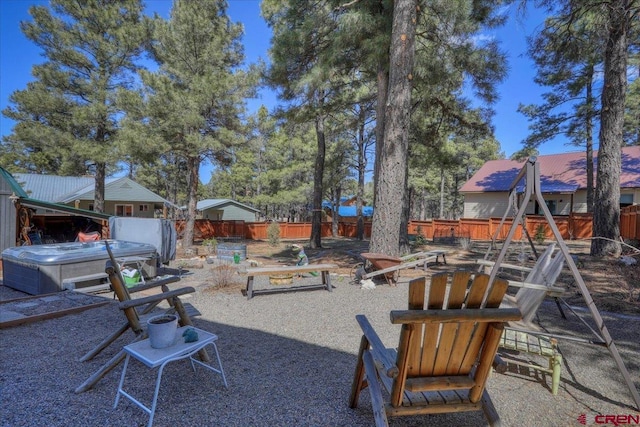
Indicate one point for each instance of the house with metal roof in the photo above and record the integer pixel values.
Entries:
(122, 196)
(225, 210)
(55, 208)
(563, 182)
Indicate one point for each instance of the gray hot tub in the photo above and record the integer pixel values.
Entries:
(41, 269)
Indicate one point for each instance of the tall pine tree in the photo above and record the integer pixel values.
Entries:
(194, 102)
(90, 48)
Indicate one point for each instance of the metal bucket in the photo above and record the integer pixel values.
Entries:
(226, 251)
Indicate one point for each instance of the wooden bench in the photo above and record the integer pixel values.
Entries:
(324, 270)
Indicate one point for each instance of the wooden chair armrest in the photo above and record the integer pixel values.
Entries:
(453, 315)
(378, 350)
(154, 284)
(155, 298)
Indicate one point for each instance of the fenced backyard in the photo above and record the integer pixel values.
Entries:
(573, 227)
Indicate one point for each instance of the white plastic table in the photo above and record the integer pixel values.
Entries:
(154, 357)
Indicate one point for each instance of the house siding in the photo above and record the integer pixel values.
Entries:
(494, 204)
(485, 205)
(110, 207)
(229, 212)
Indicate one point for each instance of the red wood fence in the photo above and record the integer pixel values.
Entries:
(630, 222)
(572, 227)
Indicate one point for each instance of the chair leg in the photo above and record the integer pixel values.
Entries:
(105, 343)
(490, 410)
(358, 377)
(555, 364)
(377, 403)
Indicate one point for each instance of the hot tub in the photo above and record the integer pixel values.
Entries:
(41, 269)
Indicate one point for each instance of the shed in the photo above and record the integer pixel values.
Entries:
(226, 210)
(18, 220)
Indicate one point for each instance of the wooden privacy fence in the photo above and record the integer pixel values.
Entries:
(572, 227)
(575, 226)
(630, 222)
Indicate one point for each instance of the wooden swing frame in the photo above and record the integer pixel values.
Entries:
(530, 172)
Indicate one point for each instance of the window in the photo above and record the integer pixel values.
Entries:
(551, 204)
(626, 200)
(144, 208)
(124, 210)
(90, 206)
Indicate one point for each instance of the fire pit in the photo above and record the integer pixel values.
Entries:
(281, 279)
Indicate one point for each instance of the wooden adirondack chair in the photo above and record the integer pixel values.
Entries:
(445, 353)
(129, 308)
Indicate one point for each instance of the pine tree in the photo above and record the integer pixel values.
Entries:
(617, 21)
(566, 52)
(389, 217)
(606, 212)
(194, 102)
(90, 48)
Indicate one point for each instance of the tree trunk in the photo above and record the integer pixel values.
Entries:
(316, 220)
(335, 221)
(589, 138)
(98, 195)
(193, 164)
(381, 105)
(390, 211)
(362, 167)
(606, 211)
(441, 194)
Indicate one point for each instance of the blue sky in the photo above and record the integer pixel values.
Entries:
(17, 55)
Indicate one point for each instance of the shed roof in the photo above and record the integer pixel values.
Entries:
(349, 210)
(120, 189)
(205, 204)
(25, 200)
(50, 188)
(559, 173)
(66, 189)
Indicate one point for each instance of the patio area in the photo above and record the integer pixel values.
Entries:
(289, 360)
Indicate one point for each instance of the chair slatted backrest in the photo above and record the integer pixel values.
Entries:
(442, 355)
(122, 293)
(545, 272)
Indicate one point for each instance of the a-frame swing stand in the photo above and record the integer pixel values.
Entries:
(531, 173)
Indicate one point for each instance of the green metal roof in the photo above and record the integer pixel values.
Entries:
(25, 200)
(33, 203)
(67, 189)
(15, 187)
(120, 189)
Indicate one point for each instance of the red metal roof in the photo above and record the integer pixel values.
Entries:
(558, 172)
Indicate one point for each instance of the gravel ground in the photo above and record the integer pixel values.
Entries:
(289, 360)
